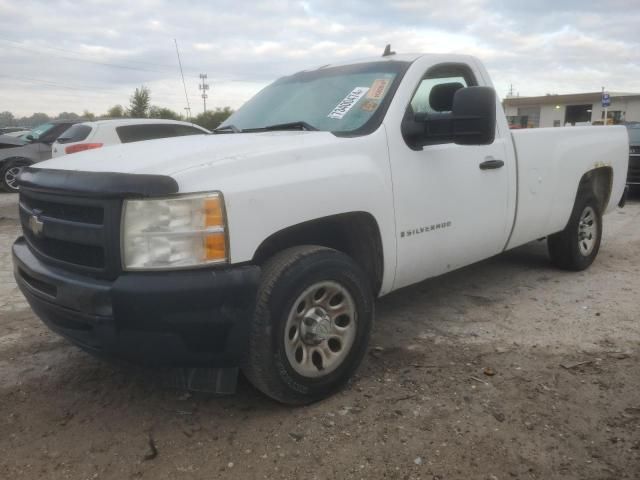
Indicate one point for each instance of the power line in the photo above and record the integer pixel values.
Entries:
(226, 78)
(75, 52)
(85, 60)
(53, 84)
(96, 94)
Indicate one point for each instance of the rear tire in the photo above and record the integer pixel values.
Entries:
(311, 326)
(576, 247)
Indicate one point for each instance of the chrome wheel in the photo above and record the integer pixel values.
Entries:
(11, 177)
(587, 231)
(320, 330)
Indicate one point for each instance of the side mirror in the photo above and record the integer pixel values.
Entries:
(474, 116)
(471, 121)
(29, 137)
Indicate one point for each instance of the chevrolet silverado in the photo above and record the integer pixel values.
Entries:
(262, 247)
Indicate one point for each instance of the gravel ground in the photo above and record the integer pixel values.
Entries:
(508, 369)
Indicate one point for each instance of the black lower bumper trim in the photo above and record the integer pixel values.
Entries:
(181, 318)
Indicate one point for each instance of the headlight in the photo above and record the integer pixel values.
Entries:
(174, 232)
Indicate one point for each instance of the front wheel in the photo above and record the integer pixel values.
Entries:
(9, 175)
(311, 326)
(576, 247)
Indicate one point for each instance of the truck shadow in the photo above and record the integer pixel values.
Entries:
(401, 320)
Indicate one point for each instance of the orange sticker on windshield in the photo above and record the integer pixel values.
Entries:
(376, 92)
(369, 105)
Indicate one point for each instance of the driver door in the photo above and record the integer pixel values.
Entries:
(449, 211)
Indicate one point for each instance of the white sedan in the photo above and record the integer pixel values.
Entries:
(101, 133)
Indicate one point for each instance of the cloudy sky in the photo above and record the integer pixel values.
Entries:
(75, 55)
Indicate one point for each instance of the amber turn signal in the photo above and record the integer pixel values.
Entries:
(215, 247)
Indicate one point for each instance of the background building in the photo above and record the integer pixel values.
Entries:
(571, 109)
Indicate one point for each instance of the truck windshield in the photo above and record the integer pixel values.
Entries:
(350, 98)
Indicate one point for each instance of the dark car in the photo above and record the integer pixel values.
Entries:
(5, 130)
(16, 153)
(633, 177)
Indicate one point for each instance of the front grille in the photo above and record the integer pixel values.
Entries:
(66, 211)
(71, 252)
(74, 232)
(634, 170)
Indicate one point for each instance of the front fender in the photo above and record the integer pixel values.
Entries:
(267, 193)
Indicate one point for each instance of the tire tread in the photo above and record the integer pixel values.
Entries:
(258, 369)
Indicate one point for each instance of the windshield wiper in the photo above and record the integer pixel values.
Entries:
(299, 125)
(227, 129)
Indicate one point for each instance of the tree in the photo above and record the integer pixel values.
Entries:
(87, 115)
(139, 103)
(117, 111)
(67, 116)
(6, 119)
(36, 119)
(164, 113)
(213, 118)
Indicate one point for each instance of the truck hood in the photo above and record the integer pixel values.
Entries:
(172, 156)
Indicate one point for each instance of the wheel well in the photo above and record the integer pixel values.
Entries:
(598, 181)
(10, 160)
(356, 234)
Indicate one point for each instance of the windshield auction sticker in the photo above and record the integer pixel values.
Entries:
(369, 105)
(376, 92)
(348, 102)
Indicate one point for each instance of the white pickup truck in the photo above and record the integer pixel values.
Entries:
(264, 245)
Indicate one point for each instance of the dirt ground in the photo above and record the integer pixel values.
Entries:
(562, 400)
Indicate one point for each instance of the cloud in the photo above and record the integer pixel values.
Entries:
(66, 55)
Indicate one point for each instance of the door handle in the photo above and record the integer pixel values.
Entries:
(491, 163)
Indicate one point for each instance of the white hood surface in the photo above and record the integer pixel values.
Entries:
(170, 156)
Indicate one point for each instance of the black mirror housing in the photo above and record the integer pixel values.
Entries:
(474, 116)
(472, 121)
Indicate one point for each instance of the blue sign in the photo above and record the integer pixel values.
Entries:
(606, 99)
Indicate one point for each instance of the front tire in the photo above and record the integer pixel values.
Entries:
(311, 327)
(576, 247)
(9, 175)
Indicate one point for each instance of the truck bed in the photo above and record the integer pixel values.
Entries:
(550, 163)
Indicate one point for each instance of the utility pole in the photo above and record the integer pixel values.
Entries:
(204, 87)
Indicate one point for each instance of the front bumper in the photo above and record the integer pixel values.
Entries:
(191, 318)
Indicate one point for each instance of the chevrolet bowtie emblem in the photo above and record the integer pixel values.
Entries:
(35, 224)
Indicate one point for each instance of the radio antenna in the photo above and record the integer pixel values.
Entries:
(188, 109)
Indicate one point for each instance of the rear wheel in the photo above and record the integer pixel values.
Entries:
(311, 326)
(576, 247)
(9, 175)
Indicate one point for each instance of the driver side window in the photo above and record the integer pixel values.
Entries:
(437, 88)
